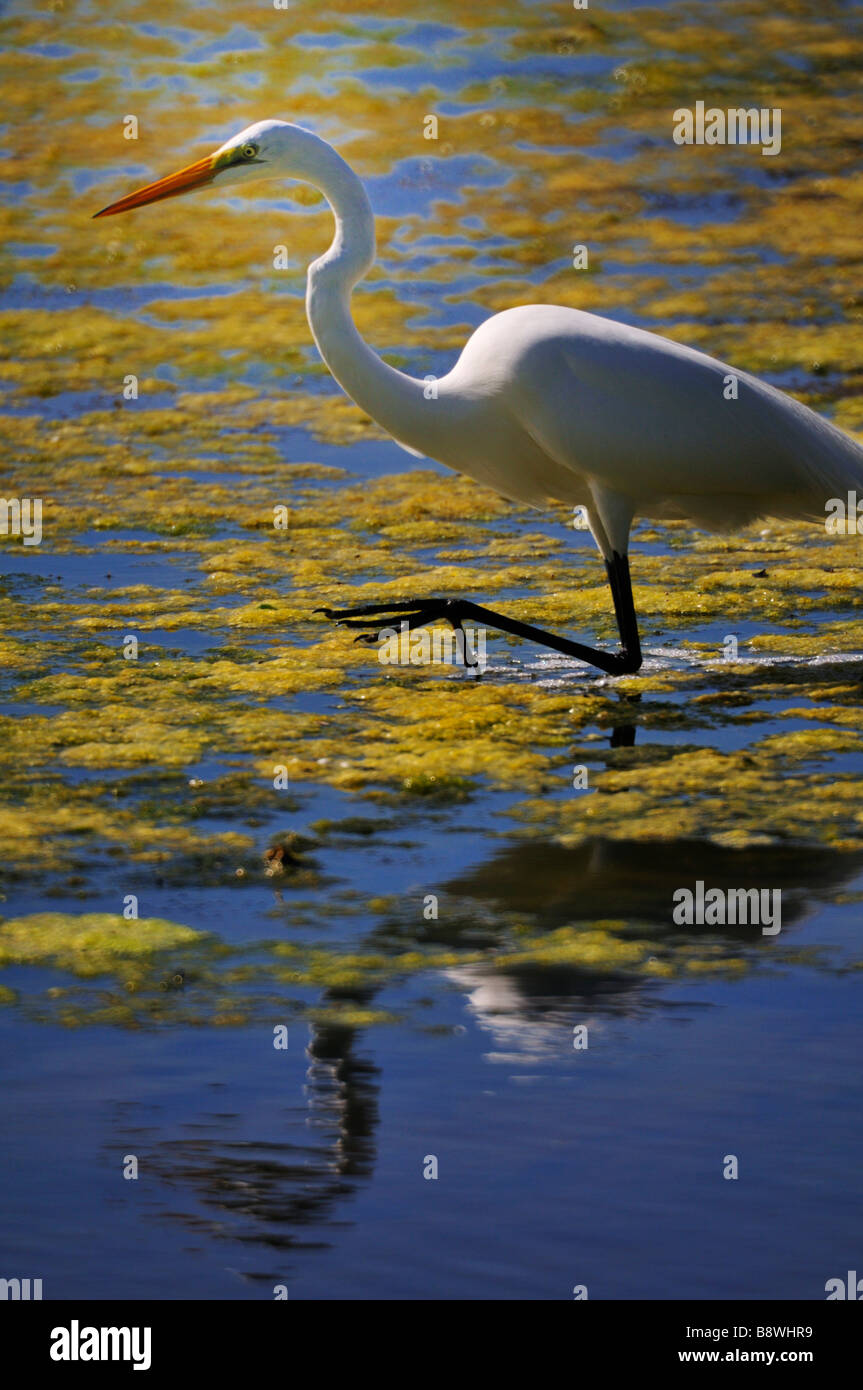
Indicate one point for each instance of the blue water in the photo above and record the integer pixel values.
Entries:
(556, 1167)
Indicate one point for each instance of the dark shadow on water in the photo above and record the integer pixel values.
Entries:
(637, 879)
(284, 1196)
(527, 1006)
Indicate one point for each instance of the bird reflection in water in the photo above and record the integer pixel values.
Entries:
(285, 1195)
(527, 1007)
(282, 1195)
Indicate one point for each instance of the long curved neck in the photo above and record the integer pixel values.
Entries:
(394, 400)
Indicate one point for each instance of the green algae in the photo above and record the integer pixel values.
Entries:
(150, 973)
(96, 943)
(97, 761)
(730, 799)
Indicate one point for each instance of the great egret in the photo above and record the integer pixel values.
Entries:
(549, 403)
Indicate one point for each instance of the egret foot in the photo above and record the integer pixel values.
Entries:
(421, 612)
(409, 613)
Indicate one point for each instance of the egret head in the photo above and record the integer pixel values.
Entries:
(264, 150)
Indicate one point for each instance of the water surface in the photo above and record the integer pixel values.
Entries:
(433, 907)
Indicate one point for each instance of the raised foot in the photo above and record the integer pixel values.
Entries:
(415, 612)
(421, 612)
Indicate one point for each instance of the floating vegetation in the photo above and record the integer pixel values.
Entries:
(93, 944)
(208, 514)
(152, 973)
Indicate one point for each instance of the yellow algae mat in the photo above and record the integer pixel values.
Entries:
(163, 400)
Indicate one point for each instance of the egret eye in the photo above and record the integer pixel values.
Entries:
(249, 151)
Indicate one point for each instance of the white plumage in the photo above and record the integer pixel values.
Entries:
(548, 403)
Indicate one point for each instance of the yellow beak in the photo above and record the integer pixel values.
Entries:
(193, 176)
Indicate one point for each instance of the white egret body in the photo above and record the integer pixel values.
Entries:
(549, 403)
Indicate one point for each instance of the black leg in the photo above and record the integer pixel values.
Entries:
(617, 569)
(424, 611)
